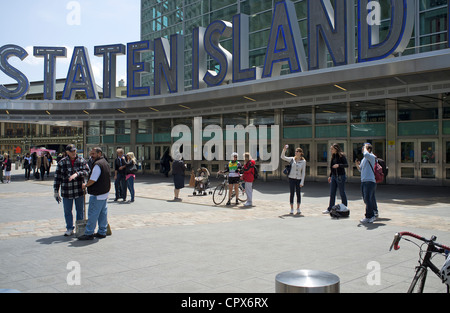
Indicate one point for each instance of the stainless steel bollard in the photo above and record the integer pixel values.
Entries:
(307, 281)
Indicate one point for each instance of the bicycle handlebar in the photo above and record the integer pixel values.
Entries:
(399, 236)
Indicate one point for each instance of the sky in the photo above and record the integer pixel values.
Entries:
(66, 23)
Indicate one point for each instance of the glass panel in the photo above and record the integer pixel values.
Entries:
(331, 114)
(418, 128)
(447, 173)
(331, 131)
(306, 151)
(322, 171)
(428, 172)
(368, 130)
(363, 112)
(357, 152)
(417, 108)
(322, 152)
(297, 116)
(407, 152)
(447, 152)
(407, 172)
(297, 132)
(428, 152)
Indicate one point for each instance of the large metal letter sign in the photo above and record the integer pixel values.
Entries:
(240, 50)
(285, 41)
(211, 42)
(199, 60)
(50, 54)
(327, 28)
(172, 67)
(400, 31)
(23, 85)
(80, 76)
(109, 54)
(135, 67)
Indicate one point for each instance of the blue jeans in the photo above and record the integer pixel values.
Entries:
(368, 193)
(295, 189)
(130, 185)
(98, 211)
(121, 187)
(68, 205)
(337, 182)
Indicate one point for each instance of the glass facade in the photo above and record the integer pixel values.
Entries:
(162, 18)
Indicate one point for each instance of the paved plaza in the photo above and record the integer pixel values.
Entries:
(194, 246)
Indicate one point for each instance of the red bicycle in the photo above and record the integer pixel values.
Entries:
(433, 248)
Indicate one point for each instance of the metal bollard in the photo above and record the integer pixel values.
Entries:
(307, 281)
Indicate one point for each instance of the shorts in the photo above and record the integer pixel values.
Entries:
(233, 180)
(7, 173)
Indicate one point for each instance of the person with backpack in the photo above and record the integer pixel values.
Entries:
(248, 177)
(368, 182)
(337, 176)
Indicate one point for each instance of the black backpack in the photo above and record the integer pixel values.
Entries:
(339, 210)
(256, 172)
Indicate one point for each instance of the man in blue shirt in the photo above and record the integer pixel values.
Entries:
(368, 183)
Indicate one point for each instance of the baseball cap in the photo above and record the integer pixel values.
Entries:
(71, 148)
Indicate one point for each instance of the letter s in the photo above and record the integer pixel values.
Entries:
(22, 82)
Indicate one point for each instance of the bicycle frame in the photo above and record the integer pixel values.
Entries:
(425, 263)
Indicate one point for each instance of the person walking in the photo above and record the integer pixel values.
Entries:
(7, 167)
(337, 176)
(42, 164)
(368, 183)
(119, 176)
(165, 163)
(27, 165)
(130, 172)
(296, 176)
(69, 178)
(248, 177)
(178, 168)
(98, 187)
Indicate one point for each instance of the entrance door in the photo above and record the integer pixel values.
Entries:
(446, 162)
(306, 147)
(323, 156)
(379, 149)
(418, 161)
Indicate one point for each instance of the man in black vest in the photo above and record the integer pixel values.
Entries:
(98, 187)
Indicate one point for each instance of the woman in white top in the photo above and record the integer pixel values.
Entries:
(296, 176)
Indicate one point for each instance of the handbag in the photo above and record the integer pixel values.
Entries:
(287, 169)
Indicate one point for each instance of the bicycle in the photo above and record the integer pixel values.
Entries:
(433, 248)
(221, 191)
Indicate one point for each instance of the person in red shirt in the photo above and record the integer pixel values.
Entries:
(248, 177)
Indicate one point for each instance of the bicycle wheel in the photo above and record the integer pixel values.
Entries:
(242, 195)
(220, 193)
(418, 282)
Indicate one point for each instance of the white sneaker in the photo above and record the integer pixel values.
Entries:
(326, 212)
(68, 233)
(367, 220)
(292, 211)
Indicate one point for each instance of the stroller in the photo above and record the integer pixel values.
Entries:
(202, 182)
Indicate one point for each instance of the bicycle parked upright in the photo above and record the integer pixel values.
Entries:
(433, 248)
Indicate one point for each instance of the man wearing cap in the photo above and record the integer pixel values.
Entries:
(98, 186)
(69, 177)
